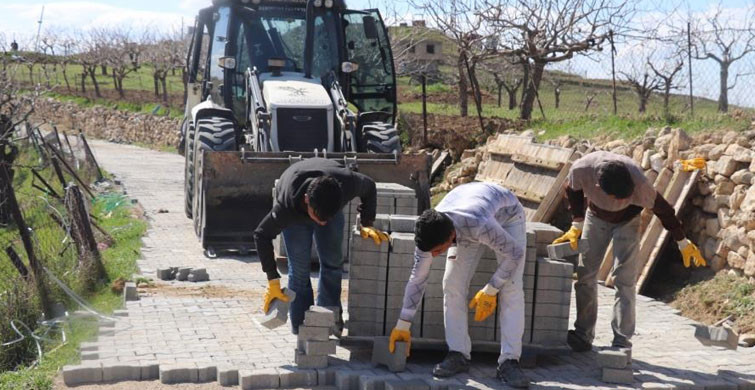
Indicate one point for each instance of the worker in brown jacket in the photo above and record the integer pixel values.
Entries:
(613, 191)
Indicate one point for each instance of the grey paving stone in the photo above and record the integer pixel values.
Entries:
(553, 296)
(564, 250)
(93, 355)
(198, 275)
(402, 243)
(544, 233)
(277, 315)
(381, 354)
(88, 347)
(551, 310)
(227, 375)
(178, 373)
(720, 336)
(292, 377)
(314, 333)
(312, 347)
(349, 379)
(149, 371)
(207, 372)
(411, 384)
(618, 375)
(129, 292)
(402, 223)
(374, 382)
(613, 358)
(84, 373)
(379, 259)
(552, 283)
(267, 378)
(303, 360)
(183, 274)
(117, 372)
(326, 376)
(551, 267)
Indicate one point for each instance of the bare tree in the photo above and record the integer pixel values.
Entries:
(643, 83)
(66, 55)
(90, 56)
(556, 82)
(507, 76)
(666, 71)
(725, 39)
(164, 54)
(468, 31)
(121, 53)
(548, 31)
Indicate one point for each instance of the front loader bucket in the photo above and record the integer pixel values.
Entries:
(234, 189)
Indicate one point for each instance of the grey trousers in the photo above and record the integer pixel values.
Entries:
(626, 237)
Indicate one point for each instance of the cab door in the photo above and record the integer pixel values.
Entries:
(373, 86)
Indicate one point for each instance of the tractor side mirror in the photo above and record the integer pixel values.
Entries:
(227, 63)
(370, 27)
(349, 67)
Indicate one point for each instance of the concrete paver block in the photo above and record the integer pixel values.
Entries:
(277, 315)
(165, 274)
(402, 223)
(411, 384)
(150, 371)
(86, 372)
(129, 292)
(314, 333)
(267, 378)
(90, 355)
(312, 347)
(198, 275)
(303, 360)
(375, 382)
(178, 373)
(544, 233)
(721, 336)
(183, 274)
(227, 375)
(326, 377)
(554, 268)
(564, 249)
(319, 316)
(115, 372)
(613, 358)
(291, 377)
(349, 379)
(395, 361)
(618, 375)
(402, 242)
(206, 373)
(552, 283)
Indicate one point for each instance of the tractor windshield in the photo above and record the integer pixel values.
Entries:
(279, 32)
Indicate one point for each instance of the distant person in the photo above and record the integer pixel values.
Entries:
(310, 196)
(470, 215)
(614, 190)
(14, 45)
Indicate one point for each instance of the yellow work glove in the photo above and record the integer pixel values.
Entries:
(401, 333)
(692, 164)
(690, 254)
(273, 292)
(484, 302)
(572, 236)
(375, 234)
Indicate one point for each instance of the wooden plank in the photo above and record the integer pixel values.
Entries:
(654, 229)
(551, 201)
(660, 182)
(688, 180)
(535, 161)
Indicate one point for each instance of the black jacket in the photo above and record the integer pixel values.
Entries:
(288, 205)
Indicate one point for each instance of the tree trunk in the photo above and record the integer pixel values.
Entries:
(643, 103)
(7, 155)
(163, 82)
(531, 91)
(115, 82)
(157, 85)
(557, 95)
(92, 72)
(31, 75)
(525, 77)
(91, 269)
(512, 98)
(65, 78)
(83, 82)
(723, 97)
(104, 69)
(500, 87)
(666, 96)
(119, 86)
(463, 87)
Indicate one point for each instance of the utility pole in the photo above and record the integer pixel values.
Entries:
(39, 29)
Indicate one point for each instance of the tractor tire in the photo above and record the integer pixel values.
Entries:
(189, 169)
(380, 137)
(213, 134)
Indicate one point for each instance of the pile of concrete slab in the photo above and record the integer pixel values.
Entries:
(378, 277)
(313, 341)
(616, 365)
(182, 274)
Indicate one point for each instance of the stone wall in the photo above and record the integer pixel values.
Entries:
(109, 124)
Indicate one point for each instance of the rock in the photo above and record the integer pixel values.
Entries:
(749, 267)
(637, 154)
(742, 176)
(729, 137)
(723, 218)
(709, 247)
(710, 205)
(661, 143)
(748, 203)
(703, 150)
(664, 131)
(747, 340)
(717, 263)
(645, 162)
(725, 187)
(705, 188)
(735, 260)
(712, 226)
(656, 162)
(716, 152)
(739, 153)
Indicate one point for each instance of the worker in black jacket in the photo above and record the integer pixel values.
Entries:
(310, 196)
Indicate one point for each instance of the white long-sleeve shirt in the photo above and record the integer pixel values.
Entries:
(476, 210)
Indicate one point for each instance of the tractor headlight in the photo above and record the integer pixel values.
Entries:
(329, 3)
(318, 3)
(256, 2)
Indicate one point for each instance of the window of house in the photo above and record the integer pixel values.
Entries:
(430, 48)
(411, 49)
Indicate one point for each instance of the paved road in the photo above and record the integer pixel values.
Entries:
(213, 322)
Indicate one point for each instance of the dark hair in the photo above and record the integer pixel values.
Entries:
(614, 179)
(325, 195)
(432, 229)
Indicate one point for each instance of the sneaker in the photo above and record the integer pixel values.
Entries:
(453, 364)
(576, 343)
(510, 374)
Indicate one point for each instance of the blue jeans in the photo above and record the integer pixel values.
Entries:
(298, 241)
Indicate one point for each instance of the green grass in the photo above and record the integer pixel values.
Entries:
(144, 107)
(114, 214)
(711, 300)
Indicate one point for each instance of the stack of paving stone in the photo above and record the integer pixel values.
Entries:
(182, 274)
(616, 365)
(378, 277)
(314, 343)
(392, 198)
